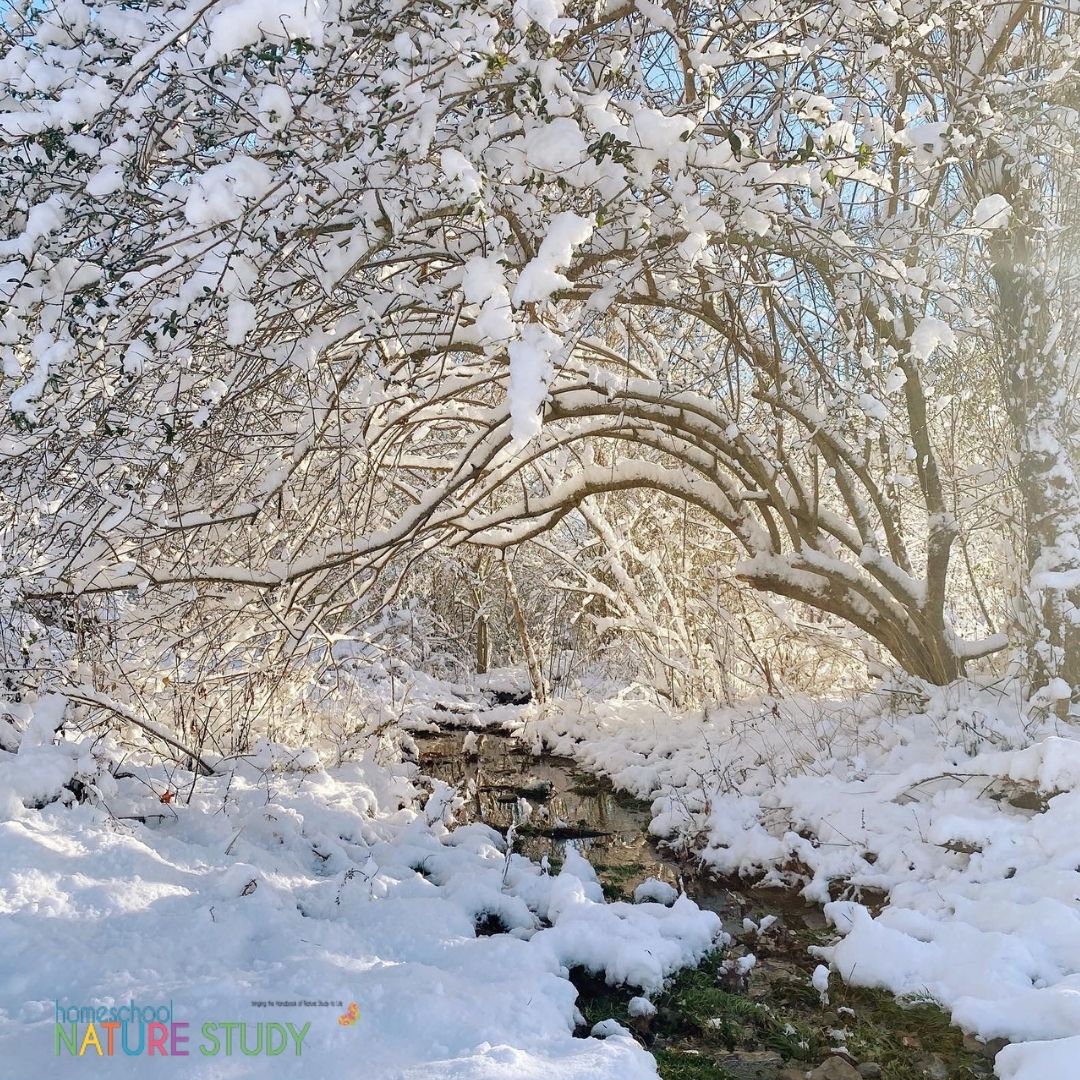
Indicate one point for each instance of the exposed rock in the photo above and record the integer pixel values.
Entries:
(988, 1050)
(936, 1069)
(870, 1070)
(834, 1068)
(752, 1064)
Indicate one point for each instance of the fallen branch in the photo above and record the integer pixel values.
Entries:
(86, 696)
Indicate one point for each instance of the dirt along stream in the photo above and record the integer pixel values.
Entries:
(724, 1020)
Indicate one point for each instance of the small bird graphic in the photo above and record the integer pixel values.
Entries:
(350, 1016)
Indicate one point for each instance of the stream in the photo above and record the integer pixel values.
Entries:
(609, 826)
(715, 1022)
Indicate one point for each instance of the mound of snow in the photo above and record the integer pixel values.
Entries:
(982, 912)
(657, 891)
(287, 882)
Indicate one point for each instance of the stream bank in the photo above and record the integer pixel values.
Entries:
(731, 1018)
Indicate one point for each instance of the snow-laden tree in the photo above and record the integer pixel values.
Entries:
(298, 292)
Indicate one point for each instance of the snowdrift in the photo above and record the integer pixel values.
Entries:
(281, 894)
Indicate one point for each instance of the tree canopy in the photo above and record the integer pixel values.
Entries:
(301, 298)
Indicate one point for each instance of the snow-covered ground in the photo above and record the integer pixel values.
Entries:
(286, 881)
(282, 883)
(964, 809)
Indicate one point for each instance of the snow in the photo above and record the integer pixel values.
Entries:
(556, 145)
(1039, 1061)
(482, 280)
(820, 982)
(531, 369)
(539, 278)
(136, 357)
(240, 321)
(759, 928)
(423, 208)
(991, 212)
(754, 221)
(873, 408)
(50, 356)
(605, 1029)
(236, 25)
(275, 108)
(546, 14)
(484, 283)
(458, 168)
(652, 889)
(1058, 690)
(106, 181)
(659, 137)
(34, 775)
(930, 333)
(1053, 764)
(283, 880)
(814, 107)
(981, 914)
(225, 190)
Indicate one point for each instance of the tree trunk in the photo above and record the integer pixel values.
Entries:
(1035, 370)
(532, 661)
(483, 631)
(483, 646)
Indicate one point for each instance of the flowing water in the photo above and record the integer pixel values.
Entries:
(553, 801)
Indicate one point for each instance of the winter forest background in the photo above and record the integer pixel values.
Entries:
(689, 390)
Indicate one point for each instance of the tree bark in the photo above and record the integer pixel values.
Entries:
(1035, 373)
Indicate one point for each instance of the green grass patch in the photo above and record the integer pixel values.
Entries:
(681, 1065)
(615, 878)
(901, 1034)
(700, 1020)
(698, 1005)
